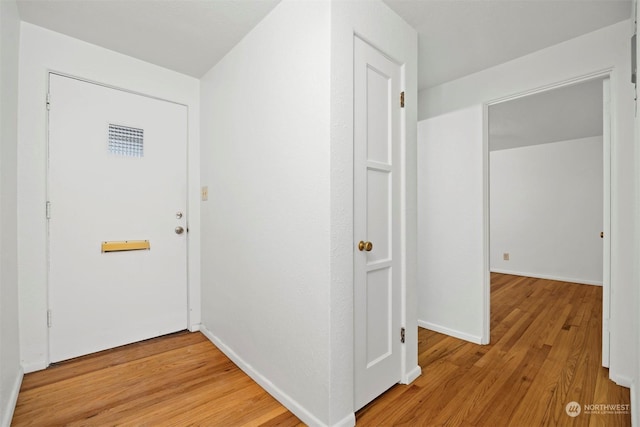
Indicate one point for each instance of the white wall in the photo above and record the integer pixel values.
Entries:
(10, 370)
(265, 227)
(605, 49)
(41, 51)
(546, 210)
(277, 241)
(450, 227)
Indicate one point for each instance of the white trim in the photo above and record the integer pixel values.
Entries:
(607, 140)
(569, 82)
(348, 421)
(486, 229)
(33, 367)
(548, 277)
(411, 376)
(108, 86)
(621, 380)
(282, 397)
(451, 332)
(10, 404)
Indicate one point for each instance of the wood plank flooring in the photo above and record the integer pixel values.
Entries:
(176, 380)
(544, 353)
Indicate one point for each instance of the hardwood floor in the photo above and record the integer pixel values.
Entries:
(545, 353)
(180, 379)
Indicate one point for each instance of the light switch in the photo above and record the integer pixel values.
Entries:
(205, 194)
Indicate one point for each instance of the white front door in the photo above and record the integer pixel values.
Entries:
(377, 272)
(117, 179)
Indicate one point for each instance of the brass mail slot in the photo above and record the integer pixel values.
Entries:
(126, 245)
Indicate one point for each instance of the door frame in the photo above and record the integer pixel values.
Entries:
(192, 293)
(607, 192)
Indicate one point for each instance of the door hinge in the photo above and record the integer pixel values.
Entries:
(48, 101)
(402, 335)
(48, 210)
(49, 322)
(402, 99)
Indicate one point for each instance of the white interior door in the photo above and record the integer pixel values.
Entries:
(606, 220)
(377, 275)
(117, 173)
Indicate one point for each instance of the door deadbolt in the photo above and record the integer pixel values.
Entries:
(178, 215)
(365, 246)
(179, 230)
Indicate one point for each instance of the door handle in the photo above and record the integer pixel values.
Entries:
(179, 230)
(365, 246)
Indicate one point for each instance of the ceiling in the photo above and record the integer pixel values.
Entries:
(461, 37)
(456, 37)
(562, 114)
(188, 36)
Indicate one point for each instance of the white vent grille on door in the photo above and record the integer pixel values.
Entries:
(126, 141)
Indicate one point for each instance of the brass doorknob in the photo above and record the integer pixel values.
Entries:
(179, 230)
(365, 246)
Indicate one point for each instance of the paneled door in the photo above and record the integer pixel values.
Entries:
(377, 273)
(117, 222)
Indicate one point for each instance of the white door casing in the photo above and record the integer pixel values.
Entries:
(377, 190)
(606, 223)
(102, 300)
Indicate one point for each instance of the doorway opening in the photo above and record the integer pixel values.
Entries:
(548, 188)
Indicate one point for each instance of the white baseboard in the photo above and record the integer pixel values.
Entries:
(348, 421)
(548, 277)
(9, 405)
(412, 375)
(291, 404)
(451, 332)
(621, 380)
(33, 367)
(195, 327)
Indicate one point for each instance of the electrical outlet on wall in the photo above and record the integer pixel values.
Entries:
(505, 256)
(205, 194)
